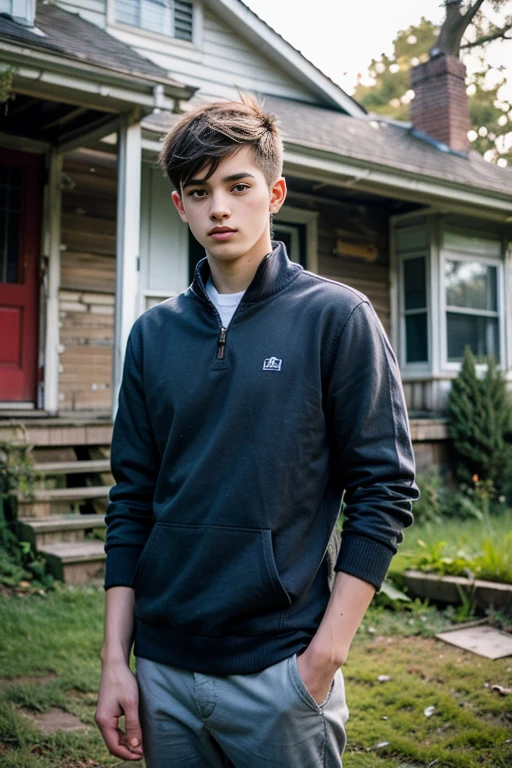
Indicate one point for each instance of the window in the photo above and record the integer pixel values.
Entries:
(11, 183)
(415, 310)
(471, 292)
(166, 17)
(412, 247)
(294, 238)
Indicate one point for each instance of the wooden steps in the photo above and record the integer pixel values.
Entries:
(43, 503)
(75, 562)
(63, 514)
(72, 467)
(58, 528)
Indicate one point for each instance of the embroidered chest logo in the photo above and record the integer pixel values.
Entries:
(272, 364)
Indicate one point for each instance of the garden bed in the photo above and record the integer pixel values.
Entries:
(453, 589)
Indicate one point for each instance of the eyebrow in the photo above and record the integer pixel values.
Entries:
(233, 177)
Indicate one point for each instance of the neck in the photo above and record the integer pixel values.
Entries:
(234, 275)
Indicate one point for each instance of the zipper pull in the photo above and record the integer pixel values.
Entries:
(221, 344)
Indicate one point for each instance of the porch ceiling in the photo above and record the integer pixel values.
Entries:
(54, 122)
(329, 194)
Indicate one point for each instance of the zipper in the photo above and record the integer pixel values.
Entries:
(221, 344)
(221, 341)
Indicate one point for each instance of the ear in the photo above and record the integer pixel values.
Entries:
(178, 202)
(277, 195)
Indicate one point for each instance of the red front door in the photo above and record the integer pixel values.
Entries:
(20, 218)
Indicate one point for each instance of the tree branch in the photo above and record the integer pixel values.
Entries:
(473, 10)
(500, 33)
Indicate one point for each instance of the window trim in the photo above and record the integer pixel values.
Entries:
(494, 261)
(197, 28)
(288, 214)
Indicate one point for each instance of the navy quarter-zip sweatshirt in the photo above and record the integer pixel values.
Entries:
(231, 452)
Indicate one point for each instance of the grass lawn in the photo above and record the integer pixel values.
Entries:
(463, 537)
(49, 657)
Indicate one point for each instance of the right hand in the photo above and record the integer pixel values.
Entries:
(119, 695)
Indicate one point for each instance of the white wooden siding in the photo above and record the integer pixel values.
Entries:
(223, 63)
(164, 240)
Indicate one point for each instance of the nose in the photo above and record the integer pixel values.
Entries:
(219, 208)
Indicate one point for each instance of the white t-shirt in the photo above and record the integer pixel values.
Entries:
(226, 303)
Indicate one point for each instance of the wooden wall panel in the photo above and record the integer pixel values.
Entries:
(359, 228)
(88, 272)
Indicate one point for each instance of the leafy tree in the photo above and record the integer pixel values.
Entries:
(468, 34)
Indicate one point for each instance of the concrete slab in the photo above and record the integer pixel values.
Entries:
(483, 640)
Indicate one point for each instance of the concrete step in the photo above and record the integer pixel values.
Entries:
(75, 562)
(55, 501)
(57, 528)
(72, 467)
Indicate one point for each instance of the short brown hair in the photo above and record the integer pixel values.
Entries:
(213, 131)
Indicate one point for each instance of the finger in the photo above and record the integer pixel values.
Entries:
(133, 728)
(115, 739)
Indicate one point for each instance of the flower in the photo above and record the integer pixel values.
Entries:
(475, 478)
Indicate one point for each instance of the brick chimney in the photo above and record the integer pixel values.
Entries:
(440, 106)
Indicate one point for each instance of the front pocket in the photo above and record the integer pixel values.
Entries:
(304, 690)
(210, 580)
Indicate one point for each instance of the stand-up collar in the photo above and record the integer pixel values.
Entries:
(274, 273)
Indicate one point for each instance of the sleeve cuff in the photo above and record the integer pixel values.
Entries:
(120, 566)
(364, 558)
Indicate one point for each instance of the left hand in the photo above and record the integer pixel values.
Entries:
(316, 674)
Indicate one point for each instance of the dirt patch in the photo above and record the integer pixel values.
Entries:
(55, 719)
(27, 679)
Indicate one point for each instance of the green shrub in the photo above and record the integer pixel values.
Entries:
(18, 561)
(439, 502)
(479, 413)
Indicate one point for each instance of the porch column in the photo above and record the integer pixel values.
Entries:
(129, 159)
(51, 249)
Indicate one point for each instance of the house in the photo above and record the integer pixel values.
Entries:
(403, 212)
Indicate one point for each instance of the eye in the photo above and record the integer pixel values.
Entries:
(194, 193)
(240, 187)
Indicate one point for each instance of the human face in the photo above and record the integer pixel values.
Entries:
(229, 212)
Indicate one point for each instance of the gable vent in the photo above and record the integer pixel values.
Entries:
(167, 17)
(183, 19)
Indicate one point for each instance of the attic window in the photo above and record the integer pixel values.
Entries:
(166, 17)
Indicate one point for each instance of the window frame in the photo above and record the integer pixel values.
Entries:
(419, 365)
(289, 215)
(494, 261)
(418, 370)
(191, 45)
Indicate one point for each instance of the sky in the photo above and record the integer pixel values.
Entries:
(343, 36)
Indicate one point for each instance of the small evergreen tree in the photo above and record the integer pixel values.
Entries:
(479, 415)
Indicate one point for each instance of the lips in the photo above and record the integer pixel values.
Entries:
(220, 230)
(221, 233)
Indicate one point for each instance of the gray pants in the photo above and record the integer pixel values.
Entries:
(266, 719)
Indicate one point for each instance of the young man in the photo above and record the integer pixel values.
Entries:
(249, 404)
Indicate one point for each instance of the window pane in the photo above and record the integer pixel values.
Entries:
(481, 333)
(10, 213)
(415, 283)
(156, 16)
(416, 338)
(127, 12)
(471, 284)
